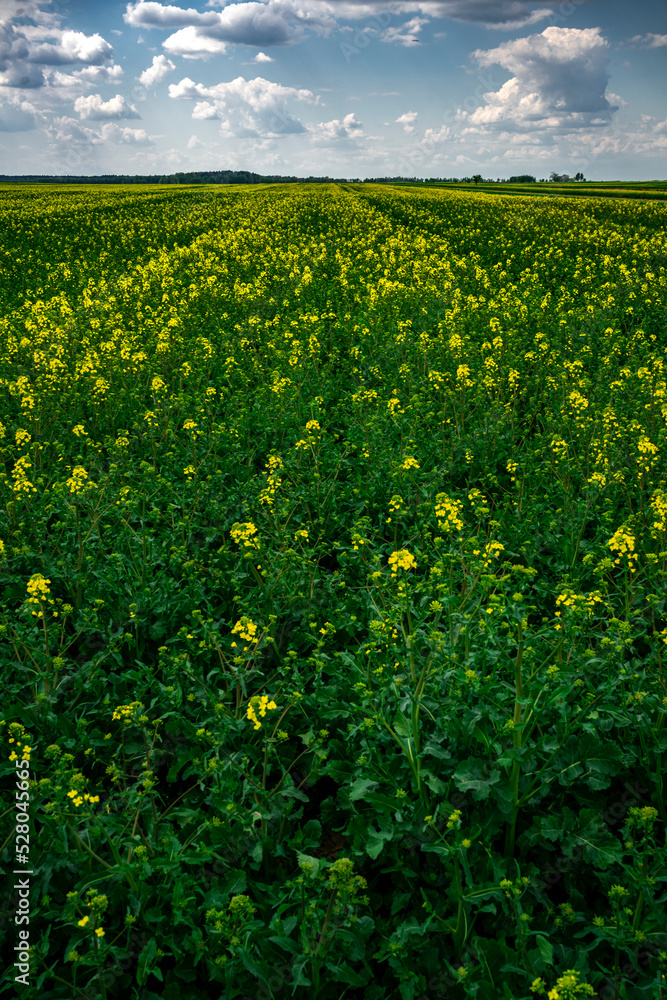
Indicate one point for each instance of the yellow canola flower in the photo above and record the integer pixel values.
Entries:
(246, 629)
(126, 712)
(78, 797)
(244, 535)
(77, 480)
(39, 591)
(448, 512)
(403, 560)
(261, 704)
(623, 543)
(22, 485)
(38, 588)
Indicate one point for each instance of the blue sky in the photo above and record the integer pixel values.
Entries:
(348, 88)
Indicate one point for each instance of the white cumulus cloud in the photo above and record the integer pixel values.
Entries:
(159, 68)
(205, 111)
(158, 15)
(649, 41)
(433, 137)
(123, 136)
(408, 121)
(30, 54)
(65, 130)
(559, 80)
(94, 108)
(245, 108)
(72, 47)
(193, 44)
(200, 35)
(99, 74)
(335, 131)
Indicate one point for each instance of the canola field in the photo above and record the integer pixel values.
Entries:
(333, 538)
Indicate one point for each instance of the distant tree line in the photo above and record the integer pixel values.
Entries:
(431, 180)
(248, 177)
(475, 179)
(189, 177)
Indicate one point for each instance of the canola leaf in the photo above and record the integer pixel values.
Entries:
(286, 944)
(402, 725)
(346, 974)
(546, 949)
(234, 882)
(360, 787)
(378, 838)
(146, 961)
(551, 828)
(471, 777)
(299, 976)
(437, 785)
